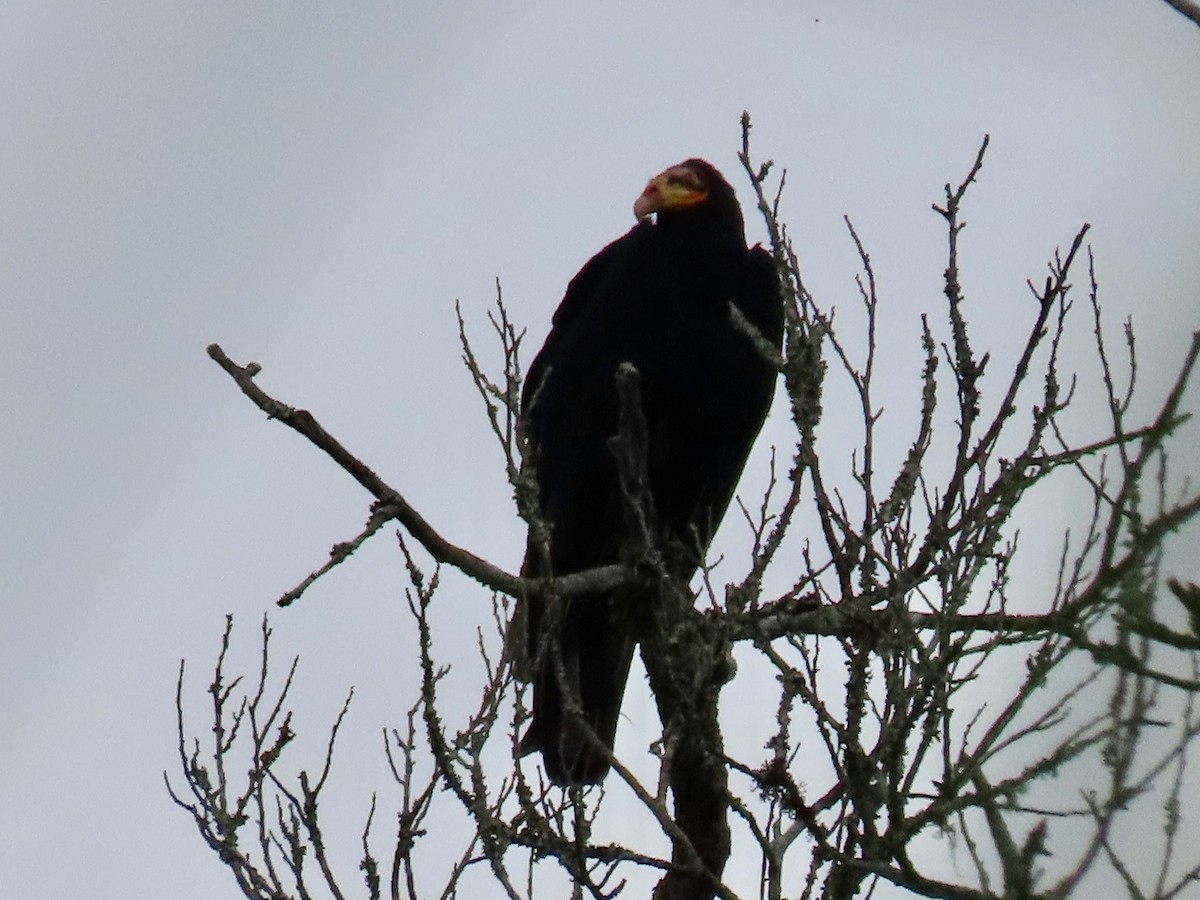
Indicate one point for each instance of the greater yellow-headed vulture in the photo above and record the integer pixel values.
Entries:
(660, 298)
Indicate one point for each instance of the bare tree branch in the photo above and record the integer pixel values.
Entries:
(1187, 8)
(902, 610)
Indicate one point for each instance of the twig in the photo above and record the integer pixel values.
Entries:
(392, 505)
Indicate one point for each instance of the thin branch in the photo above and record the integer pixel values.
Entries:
(1188, 8)
(392, 505)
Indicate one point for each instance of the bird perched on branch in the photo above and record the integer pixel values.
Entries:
(661, 298)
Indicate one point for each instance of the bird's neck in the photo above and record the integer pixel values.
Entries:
(697, 231)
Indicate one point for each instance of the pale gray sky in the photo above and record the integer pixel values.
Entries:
(313, 185)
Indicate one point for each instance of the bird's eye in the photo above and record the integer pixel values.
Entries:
(685, 179)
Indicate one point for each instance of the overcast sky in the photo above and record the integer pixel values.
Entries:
(314, 185)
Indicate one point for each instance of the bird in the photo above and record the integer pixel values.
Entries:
(660, 299)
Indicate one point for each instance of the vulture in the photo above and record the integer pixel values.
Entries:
(662, 299)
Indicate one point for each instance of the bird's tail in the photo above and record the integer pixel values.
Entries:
(579, 674)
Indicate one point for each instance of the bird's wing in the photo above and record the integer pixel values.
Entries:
(580, 291)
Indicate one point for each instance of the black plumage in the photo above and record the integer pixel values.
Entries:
(658, 298)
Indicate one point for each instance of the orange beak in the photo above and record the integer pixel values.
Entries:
(649, 201)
